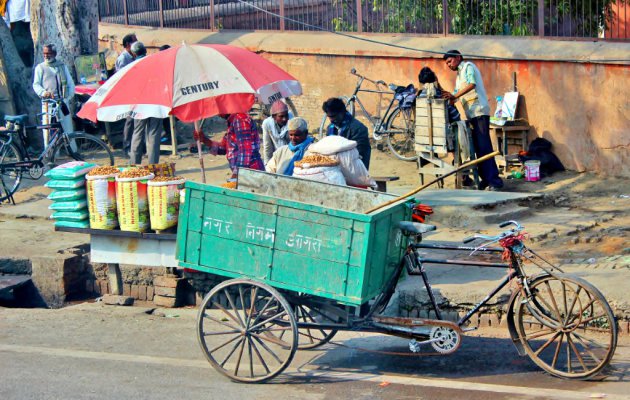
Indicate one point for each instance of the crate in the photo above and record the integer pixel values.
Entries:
(431, 114)
(293, 234)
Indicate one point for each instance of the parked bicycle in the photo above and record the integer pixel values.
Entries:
(396, 125)
(16, 162)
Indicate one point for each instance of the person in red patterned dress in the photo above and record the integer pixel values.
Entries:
(241, 143)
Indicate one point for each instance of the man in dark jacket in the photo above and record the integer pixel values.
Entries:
(342, 123)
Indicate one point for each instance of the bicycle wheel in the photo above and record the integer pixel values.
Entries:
(82, 147)
(400, 127)
(239, 328)
(567, 327)
(10, 177)
(323, 126)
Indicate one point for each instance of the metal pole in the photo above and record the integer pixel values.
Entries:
(282, 15)
(359, 17)
(446, 22)
(541, 18)
(212, 24)
(126, 12)
(161, 13)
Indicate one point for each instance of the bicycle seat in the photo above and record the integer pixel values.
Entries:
(17, 119)
(415, 228)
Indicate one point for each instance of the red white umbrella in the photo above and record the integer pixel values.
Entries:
(190, 82)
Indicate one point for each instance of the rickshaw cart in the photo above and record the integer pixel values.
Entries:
(306, 261)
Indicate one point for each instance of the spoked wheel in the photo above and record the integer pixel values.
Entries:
(401, 134)
(567, 328)
(247, 330)
(310, 312)
(10, 176)
(83, 147)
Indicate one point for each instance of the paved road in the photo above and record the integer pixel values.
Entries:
(90, 351)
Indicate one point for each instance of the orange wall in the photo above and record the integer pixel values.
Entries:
(582, 108)
(620, 27)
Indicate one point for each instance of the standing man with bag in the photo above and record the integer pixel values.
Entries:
(470, 91)
(52, 80)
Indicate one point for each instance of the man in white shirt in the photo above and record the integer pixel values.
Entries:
(52, 80)
(275, 131)
(470, 91)
(18, 10)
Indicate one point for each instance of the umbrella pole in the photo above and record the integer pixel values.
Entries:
(203, 172)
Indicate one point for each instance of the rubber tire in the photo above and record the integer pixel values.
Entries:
(390, 120)
(86, 136)
(18, 155)
(593, 292)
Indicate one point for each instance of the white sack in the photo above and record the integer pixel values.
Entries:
(353, 169)
(332, 144)
(321, 174)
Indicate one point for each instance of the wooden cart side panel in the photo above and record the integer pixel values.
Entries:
(316, 217)
(386, 249)
(226, 255)
(317, 241)
(308, 274)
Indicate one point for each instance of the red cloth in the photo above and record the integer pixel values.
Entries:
(241, 144)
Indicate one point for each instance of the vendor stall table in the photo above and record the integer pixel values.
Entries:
(503, 137)
(114, 247)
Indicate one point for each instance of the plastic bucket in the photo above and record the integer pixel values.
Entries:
(101, 194)
(532, 170)
(164, 203)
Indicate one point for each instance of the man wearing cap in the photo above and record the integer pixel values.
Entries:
(283, 159)
(469, 90)
(275, 132)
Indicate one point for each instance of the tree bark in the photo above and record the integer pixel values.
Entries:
(71, 25)
(19, 76)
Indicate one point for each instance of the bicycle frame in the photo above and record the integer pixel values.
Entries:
(376, 121)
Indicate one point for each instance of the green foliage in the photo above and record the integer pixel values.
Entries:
(492, 17)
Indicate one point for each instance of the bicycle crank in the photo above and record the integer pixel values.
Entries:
(444, 340)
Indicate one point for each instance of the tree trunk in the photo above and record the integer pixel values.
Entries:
(19, 76)
(71, 25)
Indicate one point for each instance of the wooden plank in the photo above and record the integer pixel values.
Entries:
(439, 118)
(316, 241)
(438, 131)
(320, 218)
(426, 148)
(437, 140)
(307, 273)
(239, 224)
(245, 259)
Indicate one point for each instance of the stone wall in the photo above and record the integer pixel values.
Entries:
(570, 93)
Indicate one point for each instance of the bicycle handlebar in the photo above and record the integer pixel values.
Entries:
(517, 228)
(354, 72)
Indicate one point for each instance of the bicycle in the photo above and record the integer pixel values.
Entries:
(396, 124)
(15, 159)
(544, 311)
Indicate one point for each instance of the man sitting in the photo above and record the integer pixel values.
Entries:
(342, 123)
(284, 158)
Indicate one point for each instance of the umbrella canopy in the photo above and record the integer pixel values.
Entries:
(190, 82)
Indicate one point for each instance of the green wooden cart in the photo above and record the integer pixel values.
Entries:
(306, 260)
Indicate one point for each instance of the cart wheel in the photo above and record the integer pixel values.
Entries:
(310, 338)
(239, 326)
(567, 327)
